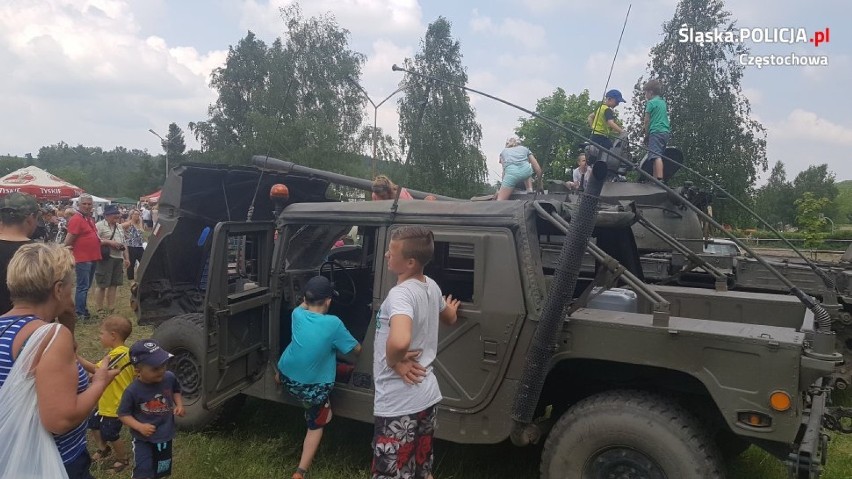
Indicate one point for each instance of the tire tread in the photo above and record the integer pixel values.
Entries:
(675, 415)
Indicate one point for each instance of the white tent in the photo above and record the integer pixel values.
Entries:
(96, 200)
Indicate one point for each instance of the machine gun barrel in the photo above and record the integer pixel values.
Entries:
(265, 162)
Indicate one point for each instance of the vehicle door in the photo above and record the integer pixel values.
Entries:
(473, 354)
(237, 308)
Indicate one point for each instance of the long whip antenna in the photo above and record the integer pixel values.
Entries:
(617, 48)
(611, 67)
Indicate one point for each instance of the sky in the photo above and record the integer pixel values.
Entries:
(103, 72)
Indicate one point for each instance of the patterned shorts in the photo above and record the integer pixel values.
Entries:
(402, 446)
(314, 398)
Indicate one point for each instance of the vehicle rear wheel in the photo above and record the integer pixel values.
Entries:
(630, 435)
(183, 337)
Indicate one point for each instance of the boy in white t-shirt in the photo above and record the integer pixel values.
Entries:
(406, 345)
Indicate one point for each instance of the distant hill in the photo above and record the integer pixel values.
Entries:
(844, 202)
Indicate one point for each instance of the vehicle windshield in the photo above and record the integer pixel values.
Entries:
(308, 246)
(722, 249)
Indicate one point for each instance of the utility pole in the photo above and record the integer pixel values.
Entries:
(375, 116)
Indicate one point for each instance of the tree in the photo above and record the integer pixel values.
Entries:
(843, 203)
(437, 125)
(774, 201)
(819, 181)
(110, 173)
(387, 149)
(555, 150)
(295, 98)
(810, 215)
(175, 145)
(708, 112)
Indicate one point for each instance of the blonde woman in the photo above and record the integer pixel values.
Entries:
(519, 165)
(133, 229)
(41, 282)
(385, 189)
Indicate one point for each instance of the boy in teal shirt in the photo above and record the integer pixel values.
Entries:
(308, 366)
(657, 129)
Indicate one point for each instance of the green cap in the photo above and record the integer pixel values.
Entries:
(19, 204)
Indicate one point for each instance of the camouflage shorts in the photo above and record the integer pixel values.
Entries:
(314, 398)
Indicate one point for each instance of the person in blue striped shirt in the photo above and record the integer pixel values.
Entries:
(41, 284)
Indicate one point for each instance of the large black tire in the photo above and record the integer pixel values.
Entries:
(629, 434)
(730, 445)
(183, 336)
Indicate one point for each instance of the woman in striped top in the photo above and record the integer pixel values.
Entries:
(41, 283)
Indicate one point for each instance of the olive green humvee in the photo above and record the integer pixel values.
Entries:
(637, 387)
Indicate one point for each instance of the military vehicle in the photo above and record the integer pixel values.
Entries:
(616, 377)
(672, 243)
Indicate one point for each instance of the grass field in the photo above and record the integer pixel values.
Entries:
(264, 440)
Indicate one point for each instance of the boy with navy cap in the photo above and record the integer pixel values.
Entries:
(603, 122)
(308, 366)
(148, 408)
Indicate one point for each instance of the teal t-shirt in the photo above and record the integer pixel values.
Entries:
(514, 154)
(659, 115)
(311, 357)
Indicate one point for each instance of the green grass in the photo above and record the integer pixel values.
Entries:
(264, 441)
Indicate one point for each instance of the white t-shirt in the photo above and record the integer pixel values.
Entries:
(577, 176)
(422, 302)
(146, 214)
(105, 232)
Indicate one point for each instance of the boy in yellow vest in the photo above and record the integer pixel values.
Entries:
(603, 122)
(104, 423)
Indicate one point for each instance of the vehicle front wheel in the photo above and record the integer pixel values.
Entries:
(183, 337)
(629, 434)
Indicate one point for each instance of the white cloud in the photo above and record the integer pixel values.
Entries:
(367, 17)
(807, 125)
(525, 33)
(629, 66)
(803, 139)
(83, 73)
(597, 8)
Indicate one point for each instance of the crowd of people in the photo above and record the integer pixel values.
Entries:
(49, 256)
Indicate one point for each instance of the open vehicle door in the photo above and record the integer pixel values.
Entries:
(237, 308)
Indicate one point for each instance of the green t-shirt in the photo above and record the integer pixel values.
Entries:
(658, 112)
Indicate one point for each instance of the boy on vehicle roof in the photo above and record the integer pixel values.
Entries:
(657, 129)
(603, 122)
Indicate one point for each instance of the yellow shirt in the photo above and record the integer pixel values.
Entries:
(108, 404)
(602, 116)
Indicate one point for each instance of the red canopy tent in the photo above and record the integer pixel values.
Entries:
(152, 198)
(38, 183)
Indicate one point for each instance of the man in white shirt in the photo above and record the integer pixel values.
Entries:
(581, 174)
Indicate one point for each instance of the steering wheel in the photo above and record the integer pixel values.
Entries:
(346, 297)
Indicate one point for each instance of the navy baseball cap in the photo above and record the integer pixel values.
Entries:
(148, 351)
(617, 95)
(319, 288)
